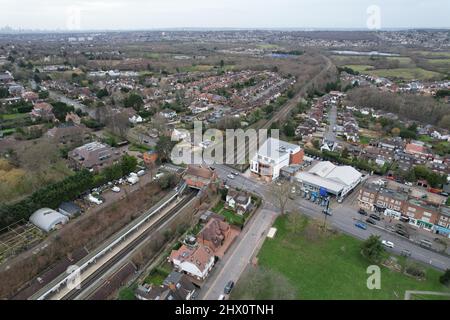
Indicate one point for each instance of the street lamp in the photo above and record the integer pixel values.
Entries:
(326, 212)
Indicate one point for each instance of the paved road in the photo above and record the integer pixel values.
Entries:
(330, 135)
(231, 266)
(343, 218)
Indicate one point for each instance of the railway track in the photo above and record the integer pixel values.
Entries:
(91, 279)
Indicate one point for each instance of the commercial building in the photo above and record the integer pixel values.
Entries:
(273, 155)
(420, 208)
(94, 155)
(325, 176)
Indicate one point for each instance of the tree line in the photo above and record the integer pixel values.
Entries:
(409, 106)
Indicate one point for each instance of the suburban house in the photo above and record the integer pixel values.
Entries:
(273, 155)
(93, 155)
(335, 180)
(218, 235)
(196, 261)
(198, 176)
(42, 110)
(168, 114)
(239, 201)
(175, 287)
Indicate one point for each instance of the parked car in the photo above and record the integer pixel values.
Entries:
(230, 176)
(235, 173)
(404, 219)
(93, 199)
(371, 221)
(403, 233)
(405, 253)
(425, 243)
(387, 244)
(221, 297)
(115, 189)
(140, 173)
(375, 217)
(228, 287)
(362, 211)
(361, 225)
(400, 226)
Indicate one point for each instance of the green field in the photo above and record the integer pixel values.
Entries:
(406, 74)
(327, 266)
(13, 116)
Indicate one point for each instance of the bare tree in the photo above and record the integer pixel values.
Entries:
(280, 191)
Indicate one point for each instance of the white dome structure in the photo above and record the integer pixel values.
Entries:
(47, 219)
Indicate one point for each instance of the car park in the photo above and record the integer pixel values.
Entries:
(361, 225)
(228, 287)
(375, 217)
(371, 221)
(387, 244)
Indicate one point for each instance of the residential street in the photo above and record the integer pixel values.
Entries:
(239, 255)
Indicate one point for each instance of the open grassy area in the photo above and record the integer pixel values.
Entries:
(364, 139)
(329, 266)
(14, 116)
(406, 74)
(156, 277)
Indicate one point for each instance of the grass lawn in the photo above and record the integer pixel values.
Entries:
(364, 140)
(139, 148)
(425, 138)
(14, 116)
(156, 277)
(229, 215)
(331, 267)
(406, 73)
(199, 68)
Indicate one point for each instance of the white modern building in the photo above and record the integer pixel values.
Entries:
(273, 155)
(336, 180)
(47, 219)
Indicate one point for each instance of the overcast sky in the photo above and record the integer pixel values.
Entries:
(160, 14)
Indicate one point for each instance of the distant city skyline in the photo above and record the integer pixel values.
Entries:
(83, 15)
